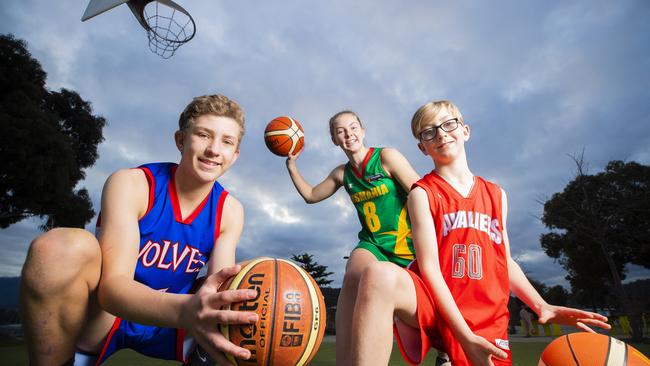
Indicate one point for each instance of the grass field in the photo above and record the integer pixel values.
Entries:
(524, 353)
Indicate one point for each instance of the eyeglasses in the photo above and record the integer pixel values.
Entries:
(431, 132)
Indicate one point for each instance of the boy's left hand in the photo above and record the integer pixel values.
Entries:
(569, 316)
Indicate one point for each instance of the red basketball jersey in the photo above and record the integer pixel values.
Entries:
(472, 253)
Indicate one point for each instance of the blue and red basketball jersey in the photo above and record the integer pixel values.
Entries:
(172, 252)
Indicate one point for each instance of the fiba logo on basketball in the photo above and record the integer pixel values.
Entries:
(291, 336)
(290, 307)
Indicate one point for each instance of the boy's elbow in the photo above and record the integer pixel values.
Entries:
(106, 296)
(103, 298)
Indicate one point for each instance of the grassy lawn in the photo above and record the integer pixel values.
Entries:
(13, 353)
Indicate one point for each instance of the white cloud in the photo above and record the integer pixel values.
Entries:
(531, 256)
(279, 213)
(344, 205)
(274, 211)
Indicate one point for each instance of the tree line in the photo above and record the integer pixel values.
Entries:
(598, 224)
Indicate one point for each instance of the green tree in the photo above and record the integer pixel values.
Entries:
(317, 271)
(557, 295)
(599, 224)
(47, 139)
(539, 286)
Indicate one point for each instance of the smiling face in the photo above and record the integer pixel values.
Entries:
(215, 105)
(347, 132)
(209, 146)
(446, 146)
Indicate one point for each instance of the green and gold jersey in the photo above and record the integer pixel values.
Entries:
(381, 205)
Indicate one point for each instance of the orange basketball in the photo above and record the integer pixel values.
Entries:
(291, 310)
(586, 349)
(284, 135)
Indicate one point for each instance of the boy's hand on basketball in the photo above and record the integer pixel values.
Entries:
(202, 315)
(569, 316)
(480, 351)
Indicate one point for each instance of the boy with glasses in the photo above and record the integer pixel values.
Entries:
(454, 296)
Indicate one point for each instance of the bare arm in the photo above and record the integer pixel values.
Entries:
(399, 168)
(322, 190)
(124, 201)
(232, 224)
(524, 290)
(424, 237)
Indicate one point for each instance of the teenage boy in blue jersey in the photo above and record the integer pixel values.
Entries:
(84, 298)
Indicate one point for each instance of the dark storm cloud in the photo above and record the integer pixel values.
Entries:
(535, 81)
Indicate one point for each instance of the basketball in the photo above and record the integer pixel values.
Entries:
(585, 349)
(291, 312)
(284, 136)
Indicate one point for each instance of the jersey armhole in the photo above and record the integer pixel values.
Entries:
(428, 193)
(218, 217)
(381, 163)
(152, 189)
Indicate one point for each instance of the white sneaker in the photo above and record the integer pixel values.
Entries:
(442, 359)
(198, 357)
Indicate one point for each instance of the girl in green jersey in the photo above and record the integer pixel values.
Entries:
(378, 181)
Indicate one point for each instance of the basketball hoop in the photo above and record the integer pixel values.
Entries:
(168, 25)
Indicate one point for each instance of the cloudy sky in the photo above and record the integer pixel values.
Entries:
(537, 81)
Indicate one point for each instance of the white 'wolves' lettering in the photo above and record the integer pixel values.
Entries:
(153, 254)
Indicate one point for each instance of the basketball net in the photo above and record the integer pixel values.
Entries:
(168, 25)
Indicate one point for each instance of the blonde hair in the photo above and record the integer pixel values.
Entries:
(339, 114)
(428, 113)
(216, 105)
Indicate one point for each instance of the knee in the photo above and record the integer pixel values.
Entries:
(359, 261)
(377, 278)
(352, 277)
(63, 246)
(58, 255)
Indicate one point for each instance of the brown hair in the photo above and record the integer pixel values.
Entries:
(339, 114)
(216, 105)
(428, 113)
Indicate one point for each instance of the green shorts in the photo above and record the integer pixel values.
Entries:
(382, 255)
